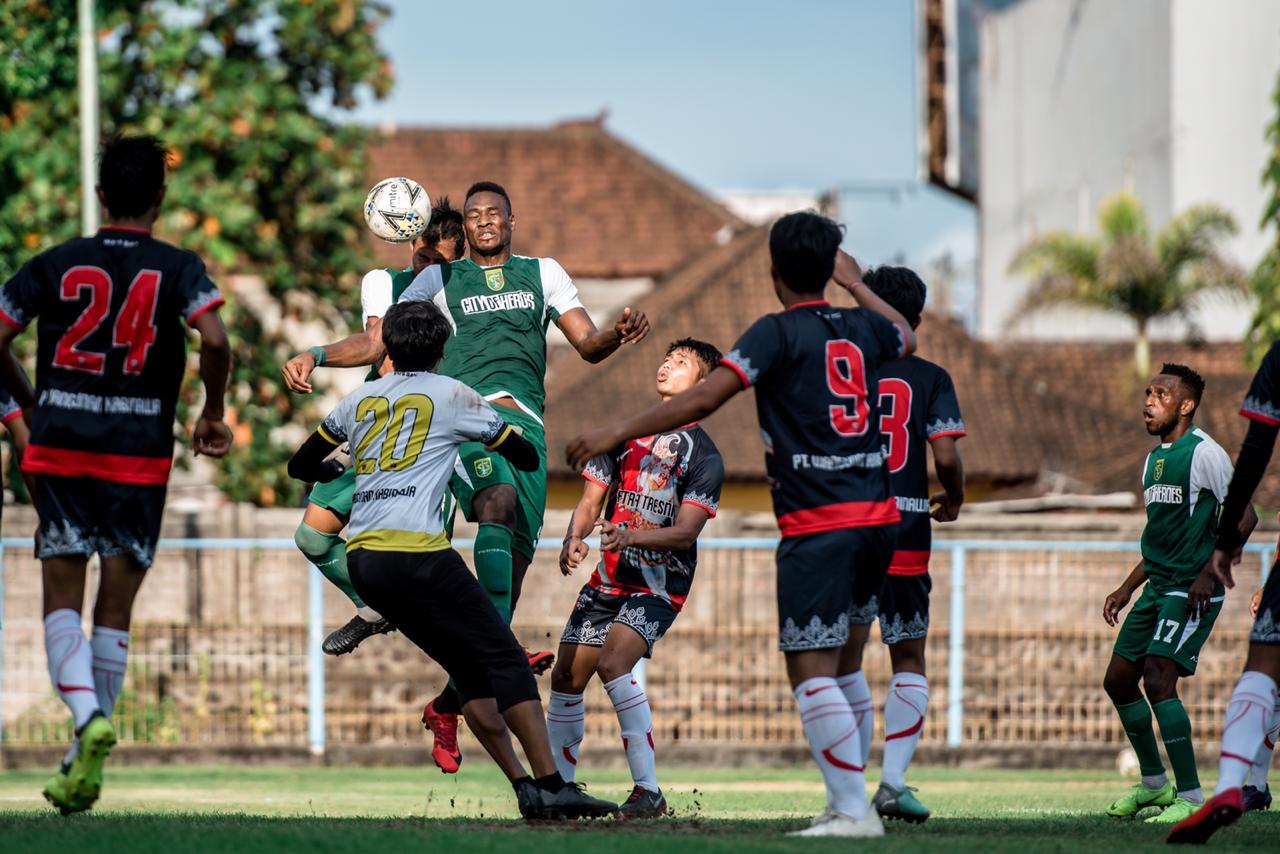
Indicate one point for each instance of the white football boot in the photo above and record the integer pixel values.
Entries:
(831, 823)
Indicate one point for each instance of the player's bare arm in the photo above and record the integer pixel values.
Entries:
(581, 523)
(950, 470)
(848, 275)
(683, 534)
(211, 436)
(684, 408)
(595, 345)
(12, 377)
(354, 351)
(1251, 463)
(1118, 598)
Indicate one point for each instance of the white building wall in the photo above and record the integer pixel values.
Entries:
(1080, 99)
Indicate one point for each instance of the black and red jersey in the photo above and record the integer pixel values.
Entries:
(815, 369)
(648, 481)
(111, 351)
(1262, 403)
(9, 409)
(917, 405)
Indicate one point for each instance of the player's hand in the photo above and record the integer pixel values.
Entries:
(613, 538)
(847, 272)
(944, 509)
(573, 553)
(631, 326)
(1220, 566)
(1255, 602)
(1114, 604)
(582, 448)
(211, 437)
(297, 372)
(1199, 593)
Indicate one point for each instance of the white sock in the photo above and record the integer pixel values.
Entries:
(832, 733)
(1262, 762)
(1248, 719)
(858, 693)
(636, 720)
(1156, 782)
(1194, 795)
(904, 709)
(70, 663)
(367, 614)
(564, 730)
(110, 653)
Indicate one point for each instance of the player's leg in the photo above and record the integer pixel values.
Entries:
(1256, 794)
(641, 622)
(852, 681)
(1122, 683)
(815, 577)
(531, 495)
(485, 491)
(904, 625)
(580, 644)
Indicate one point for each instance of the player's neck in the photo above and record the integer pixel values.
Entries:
(1179, 430)
(495, 260)
(134, 223)
(791, 298)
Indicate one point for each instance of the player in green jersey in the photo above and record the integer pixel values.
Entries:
(499, 305)
(329, 505)
(1184, 481)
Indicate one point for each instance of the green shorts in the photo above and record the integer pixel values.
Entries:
(1158, 625)
(478, 468)
(336, 494)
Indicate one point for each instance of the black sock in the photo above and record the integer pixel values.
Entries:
(520, 781)
(449, 702)
(553, 782)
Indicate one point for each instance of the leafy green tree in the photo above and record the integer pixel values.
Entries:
(1123, 271)
(1265, 280)
(266, 182)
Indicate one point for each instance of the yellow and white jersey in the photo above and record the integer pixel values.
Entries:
(404, 431)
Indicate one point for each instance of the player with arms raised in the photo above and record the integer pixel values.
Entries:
(815, 370)
(110, 358)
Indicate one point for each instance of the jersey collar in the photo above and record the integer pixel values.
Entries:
(124, 228)
(809, 304)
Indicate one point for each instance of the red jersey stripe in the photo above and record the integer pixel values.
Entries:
(906, 562)
(1247, 413)
(711, 511)
(11, 322)
(956, 433)
(597, 481)
(12, 415)
(834, 517)
(118, 468)
(211, 304)
(742, 375)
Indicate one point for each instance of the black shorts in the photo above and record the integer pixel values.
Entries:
(827, 581)
(1266, 626)
(904, 607)
(596, 611)
(435, 601)
(83, 515)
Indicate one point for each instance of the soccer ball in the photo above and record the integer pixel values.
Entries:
(397, 209)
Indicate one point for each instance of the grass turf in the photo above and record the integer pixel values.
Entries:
(361, 809)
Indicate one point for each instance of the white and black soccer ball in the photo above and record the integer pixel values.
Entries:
(397, 209)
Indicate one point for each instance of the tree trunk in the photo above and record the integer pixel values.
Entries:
(1142, 352)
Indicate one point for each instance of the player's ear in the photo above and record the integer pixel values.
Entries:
(102, 197)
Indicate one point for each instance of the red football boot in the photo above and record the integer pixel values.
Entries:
(540, 662)
(444, 729)
(1219, 811)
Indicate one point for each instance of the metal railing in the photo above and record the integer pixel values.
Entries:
(240, 618)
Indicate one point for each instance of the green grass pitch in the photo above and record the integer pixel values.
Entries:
(315, 810)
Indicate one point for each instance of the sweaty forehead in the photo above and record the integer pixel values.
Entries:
(1166, 382)
(486, 199)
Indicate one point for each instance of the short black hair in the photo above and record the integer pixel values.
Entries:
(487, 187)
(803, 247)
(415, 333)
(131, 174)
(446, 224)
(705, 353)
(900, 287)
(1188, 377)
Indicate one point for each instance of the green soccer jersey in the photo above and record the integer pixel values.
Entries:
(379, 290)
(499, 317)
(1183, 486)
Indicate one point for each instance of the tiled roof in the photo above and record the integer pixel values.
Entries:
(580, 194)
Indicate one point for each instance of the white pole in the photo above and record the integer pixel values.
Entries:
(88, 72)
(315, 663)
(955, 657)
(1, 646)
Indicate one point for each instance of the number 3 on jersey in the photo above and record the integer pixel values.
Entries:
(134, 326)
(895, 409)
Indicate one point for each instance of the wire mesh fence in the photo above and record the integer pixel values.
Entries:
(224, 651)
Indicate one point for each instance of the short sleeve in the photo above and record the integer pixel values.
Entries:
(199, 293)
(756, 352)
(1262, 403)
(559, 293)
(944, 410)
(474, 418)
(1211, 470)
(20, 297)
(601, 470)
(9, 409)
(375, 295)
(706, 479)
(425, 285)
(891, 343)
(337, 427)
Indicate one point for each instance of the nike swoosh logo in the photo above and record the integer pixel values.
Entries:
(909, 731)
(811, 691)
(569, 756)
(122, 644)
(68, 688)
(839, 763)
(570, 705)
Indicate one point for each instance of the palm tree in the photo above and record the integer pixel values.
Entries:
(1122, 271)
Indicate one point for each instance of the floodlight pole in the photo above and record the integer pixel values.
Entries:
(88, 74)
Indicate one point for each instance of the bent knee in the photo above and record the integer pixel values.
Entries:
(313, 544)
(496, 504)
(1160, 679)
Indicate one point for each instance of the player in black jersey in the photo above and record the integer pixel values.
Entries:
(815, 369)
(111, 353)
(918, 411)
(1255, 702)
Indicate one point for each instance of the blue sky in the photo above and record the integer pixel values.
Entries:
(731, 94)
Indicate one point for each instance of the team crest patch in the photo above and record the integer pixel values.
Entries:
(483, 467)
(494, 279)
(1159, 472)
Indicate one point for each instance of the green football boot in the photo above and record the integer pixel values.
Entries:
(1178, 810)
(79, 787)
(1139, 798)
(57, 792)
(899, 803)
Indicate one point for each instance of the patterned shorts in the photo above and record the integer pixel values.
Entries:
(904, 607)
(1266, 626)
(827, 582)
(83, 515)
(596, 612)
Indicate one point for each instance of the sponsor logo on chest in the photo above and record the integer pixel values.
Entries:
(1162, 494)
(513, 301)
